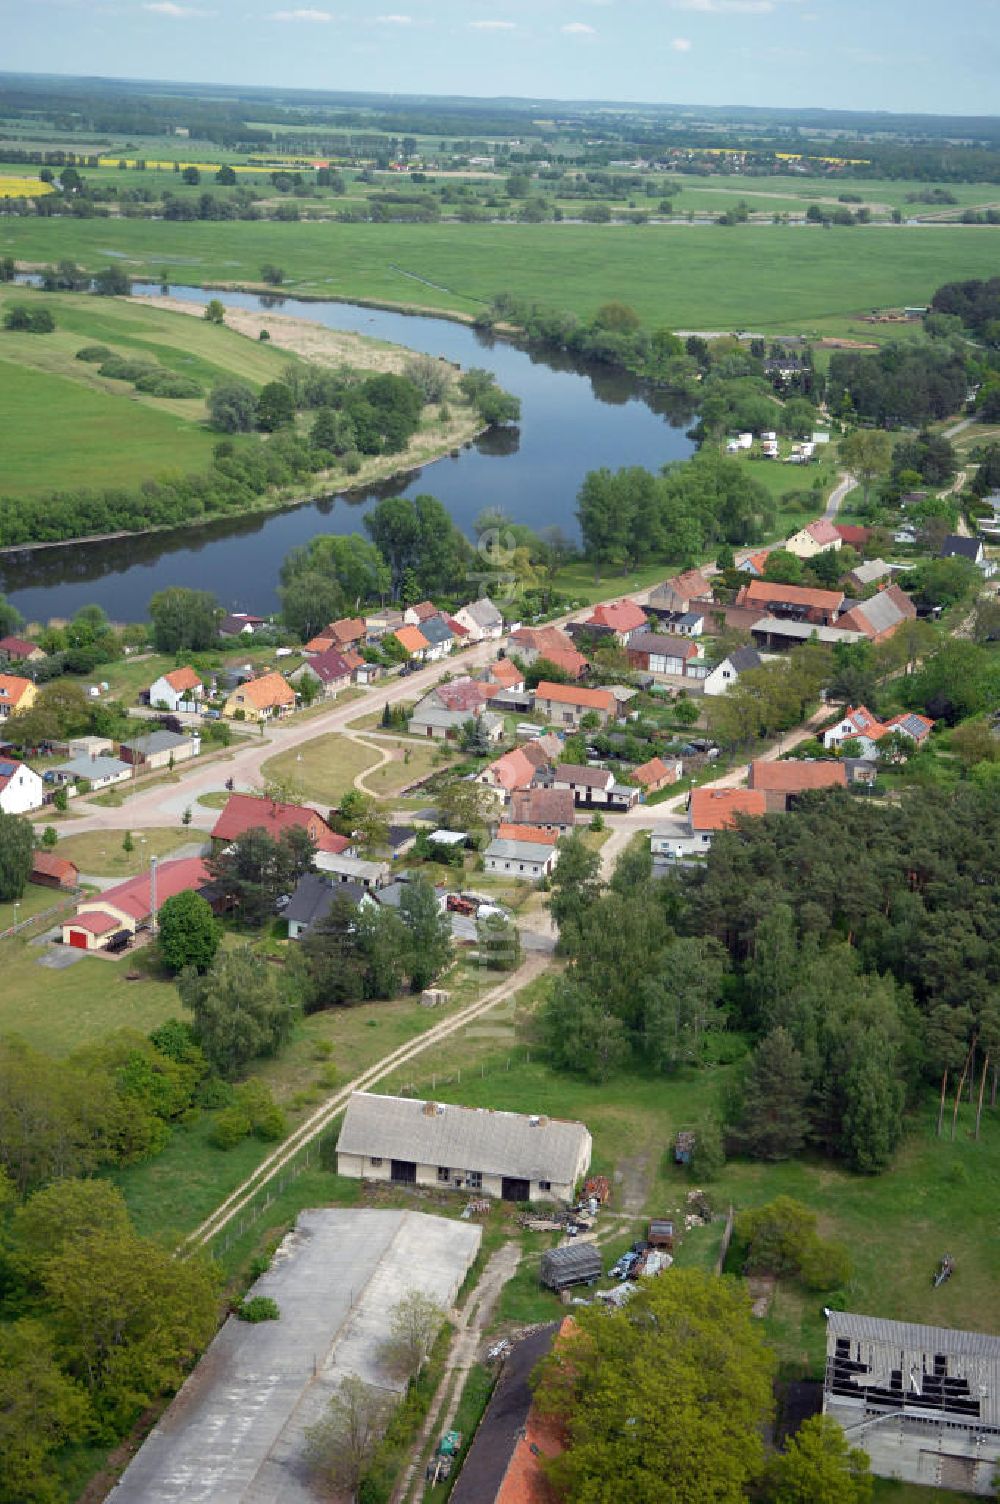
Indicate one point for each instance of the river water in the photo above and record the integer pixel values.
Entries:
(574, 418)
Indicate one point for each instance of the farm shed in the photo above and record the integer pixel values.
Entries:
(923, 1401)
(504, 1154)
(573, 1264)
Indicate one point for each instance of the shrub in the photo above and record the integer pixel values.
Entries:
(230, 1128)
(29, 320)
(94, 354)
(167, 384)
(258, 1308)
(118, 368)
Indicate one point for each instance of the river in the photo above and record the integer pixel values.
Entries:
(574, 418)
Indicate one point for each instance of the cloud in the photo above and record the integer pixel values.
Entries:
(681, 44)
(725, 7)
(168, 8)
(300, 15)
(577, 29)
(394, 20)
(493, 25)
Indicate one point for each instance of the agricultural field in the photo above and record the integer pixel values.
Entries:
(14, 186)
(679, 276)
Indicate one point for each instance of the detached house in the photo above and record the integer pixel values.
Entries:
(623, 619)
(880, 616)
(683, 593)
(709, 810)
(519, 769)
(567, 706)
(413, 642)
(482, 620)
(549, 809)
(20, 787)
(20, 650)
(245, 812)
(592, 788)
(16, 694)
(331, 670)
(859, 724)
(727, 673)
(522, 851)
(440, 637)
(505, 674)
(159, 749)
(661, 653)
(128, 906)
(241, 624)
(656, 774)
(814, 539)
(265, 699)
(181, 689)
(551, 643)
(782, 781)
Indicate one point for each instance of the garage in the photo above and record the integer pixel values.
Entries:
(403, 1172)
(79, 938)
(512, 1189)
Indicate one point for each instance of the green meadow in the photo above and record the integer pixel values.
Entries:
(681, 276)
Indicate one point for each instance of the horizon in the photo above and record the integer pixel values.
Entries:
(790, 54)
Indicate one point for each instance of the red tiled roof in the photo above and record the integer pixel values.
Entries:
(467, 694)
(762, 592)
(183, 678)
(347, 630)
(823, 531)
(133, 897)
(515, 770)
(353, 660)
(97, 924)
(50, 865)
(330, 666)
(568, 660)
(653, 771)
(620, 616)
(411, 638)
(857, 537)
(567, 694)
(425, 610)
(18, 647)
(245, 812)
(691, 585)
(270, 689)
(716, 809)
(505, 673)
(454, 626)
(508, 831)
(758, 560)
(13, 688)
(794, 776)
(320, 644)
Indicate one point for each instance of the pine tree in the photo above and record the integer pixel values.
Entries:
(773, 1117)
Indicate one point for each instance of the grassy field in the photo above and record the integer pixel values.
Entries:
(100, 853)
(325, 768)
(682, 276)
(35, 900)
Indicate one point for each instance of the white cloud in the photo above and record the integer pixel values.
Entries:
(577, 29)
(725, 7)
(394, 20)
(493, 25)
(301, 15)
(681, 44)
(168, 8)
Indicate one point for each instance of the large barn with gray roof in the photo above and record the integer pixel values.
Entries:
(504, 1154)
(922, 1401)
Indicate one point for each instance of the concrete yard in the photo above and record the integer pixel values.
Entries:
(234, 1433)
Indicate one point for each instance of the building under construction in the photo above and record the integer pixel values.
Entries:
(922, 1401)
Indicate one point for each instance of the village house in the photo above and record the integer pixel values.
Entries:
(661, 653)
(860, 725)
(347, 632)
(159, 749)
(20, 650)
(815, 538)
(482, 620)
(522, 851)
(868, 572)
(413, 642)
(21, 788)
(438, 723)
(684, 592)
(592, 788)
(440, 637)
(528, 644)
(657, 774)
(129, 906)
(754, 564)
(622, 619)
(797, 602)
(314, 897)
(567, 706)
(881, 615)
(506, 675)
(16, 695)
(51, 871)
(519, 768)
(922, 1401)
(329, 670)
(548, 809)
(856, 537)
(783, 780)
(241, 624)
(179, 690)
(414, 616)
(507, 1155)
(381, 624)
(268, 698)
(724, 674)
(100, 772)
(245, 812)
(362, 672)
(709, 810)
(346, 867)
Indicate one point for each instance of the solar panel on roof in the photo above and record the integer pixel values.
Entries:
(7, 768)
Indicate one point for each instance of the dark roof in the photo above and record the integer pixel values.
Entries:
(436, 630)
(314, 895)
(742, 659)
(662, 642)
(398, 835)
(497, 1435)
(966, 548)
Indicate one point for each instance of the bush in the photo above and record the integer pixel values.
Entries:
(26, 319)
(230, 1128)
(93, 354)
(167, 384)
(118, 368)
(781, 1238)
(258, 1308)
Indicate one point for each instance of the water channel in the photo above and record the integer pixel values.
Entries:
(575, 417)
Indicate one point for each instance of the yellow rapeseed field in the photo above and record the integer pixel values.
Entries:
(23, 187)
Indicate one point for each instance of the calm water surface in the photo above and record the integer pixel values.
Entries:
(574, 418)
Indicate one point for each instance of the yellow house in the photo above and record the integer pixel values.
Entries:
(263, 699)
(16, 694)
(814, 539)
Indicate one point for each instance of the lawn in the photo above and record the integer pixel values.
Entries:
(34, 900)
(101, 854)
(325, 768)
(692, 277)
(59, 1010)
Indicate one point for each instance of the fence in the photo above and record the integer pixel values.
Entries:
(24, 924)
(727, 1238)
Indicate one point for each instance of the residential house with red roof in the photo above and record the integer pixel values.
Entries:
(815, 538)
(180, 689)
(623, 619)
(795, 601)
(680, 594)
(661, 653)
(656, 774)
(783, 780)
(881, 615)
(854, 536)
(505, 674)
(519, 768)
(860, 725)
(129, 906)
(16, 694)
(268, 698)
(413, 642)
(709, 810)
(245, 812)
(528, 644)
(329, 670)
(20, 650)
(566, 704)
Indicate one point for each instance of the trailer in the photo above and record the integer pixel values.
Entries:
(572, 1264)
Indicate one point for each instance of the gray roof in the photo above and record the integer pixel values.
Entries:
(804, 630)
(591, 778)
(869, 571)
(484, 613)
(661, 642)
(158, 741)
(86, 766)
(436, 630)
(436, 715)
(934, 1339)
(742, 659)
(881, 611)
(467, 1138)
(519, 851)
(966, 548)
(890, 1346)
(314, 895)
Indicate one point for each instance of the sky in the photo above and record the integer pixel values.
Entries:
(896, 55)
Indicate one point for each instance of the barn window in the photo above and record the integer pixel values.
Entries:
(444, 1174)
(375, 1162)
(545, 1185)
(474, 1180)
